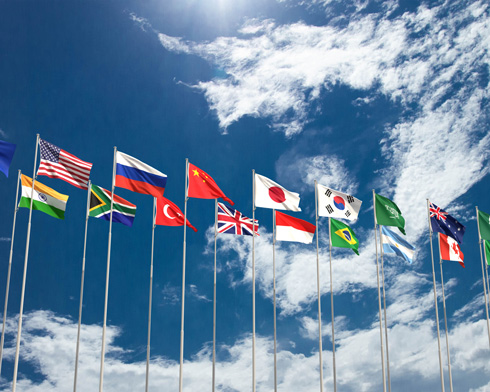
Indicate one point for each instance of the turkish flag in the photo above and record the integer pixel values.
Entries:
(202, 185)
(168, 214)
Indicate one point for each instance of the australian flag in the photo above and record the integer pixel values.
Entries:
(444, 223)
(231, 221)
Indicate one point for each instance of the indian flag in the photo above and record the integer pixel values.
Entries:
(45, 199)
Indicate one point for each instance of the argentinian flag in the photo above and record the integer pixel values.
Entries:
(395, 244)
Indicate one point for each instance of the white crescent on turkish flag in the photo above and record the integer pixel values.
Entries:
(450, 249)
(269, 194)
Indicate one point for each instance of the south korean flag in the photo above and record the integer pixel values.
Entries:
(336, 204)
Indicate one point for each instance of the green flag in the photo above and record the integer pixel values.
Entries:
(487, 251)
(343, 236)
(388, 213)
(484, 223)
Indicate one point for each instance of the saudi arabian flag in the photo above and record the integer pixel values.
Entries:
(45, 199)
(388, 213)
(484, 224)
(487, 251)
(343, 236)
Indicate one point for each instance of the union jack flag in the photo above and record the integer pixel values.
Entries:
(231, 221)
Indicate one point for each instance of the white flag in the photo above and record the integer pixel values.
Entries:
(336, 204)
(269, 194)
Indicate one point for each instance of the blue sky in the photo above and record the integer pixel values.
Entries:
(358, 95)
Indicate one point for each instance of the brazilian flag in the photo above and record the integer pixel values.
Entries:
(343, 236)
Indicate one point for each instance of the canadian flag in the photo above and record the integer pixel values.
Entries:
(269, 194)
(450, 249)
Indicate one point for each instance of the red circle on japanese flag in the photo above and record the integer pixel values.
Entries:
(277, 194)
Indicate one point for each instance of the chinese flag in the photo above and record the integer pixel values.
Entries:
(168, 214)
(202, 185)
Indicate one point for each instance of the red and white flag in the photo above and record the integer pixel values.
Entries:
(269, 194)
(450, 249)
(57, 163)
(168, 214)
(293, 229)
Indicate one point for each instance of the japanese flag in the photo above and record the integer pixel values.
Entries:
(269, 194)
(450, 249)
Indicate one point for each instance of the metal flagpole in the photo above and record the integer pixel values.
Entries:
(384, 311)
(331, 305)
(445, 319)
(320, 349)
(483, 275)
(253, 281)
(89, 189)
(183, 281)
(102, 355)
(214, 289)
(379, 297)
(274, 292)
(8, 273)
(150, 296)
(19, 331)
(435, 300)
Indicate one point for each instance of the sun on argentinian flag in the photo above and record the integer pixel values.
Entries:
(395, 244)
(46, 199)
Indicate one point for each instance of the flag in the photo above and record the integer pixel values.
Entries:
(444, 223)
(202, 185)
(168, 214)
(336, 204)
(138, 177)
(388, 213)
(484, 224)
(293, 229)
(100, 207)
(231, 221)
(6, 155)
(269, 194)
(46, 199)
(450, 250)
(395, 244)
(343, 236)
(487, 251)
(57, 163)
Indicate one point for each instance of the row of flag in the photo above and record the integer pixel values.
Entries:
(139, 177)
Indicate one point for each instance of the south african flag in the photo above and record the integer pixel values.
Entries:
(100, 207)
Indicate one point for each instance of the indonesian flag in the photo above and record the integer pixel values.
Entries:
(450, 249)
(269, 194)
(168, 214)
(293, 229)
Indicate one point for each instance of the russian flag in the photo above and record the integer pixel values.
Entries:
(138, 177)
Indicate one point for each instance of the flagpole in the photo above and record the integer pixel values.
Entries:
(183, 281)
(379, 297)
(81, 286)
(384, 312)
(435, 299)
(331, 306)
(253, 281)
(150, 296)
(214, 289)
(320, 349)
(19, 330)
(102, 355)
(16, 208)
(445, 318)
(274, 292)
(483, 275)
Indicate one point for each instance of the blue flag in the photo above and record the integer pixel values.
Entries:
(395, 244)
(6, 154)
(444, 223)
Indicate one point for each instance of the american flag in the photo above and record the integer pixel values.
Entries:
(231, 221)
(57, 163)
